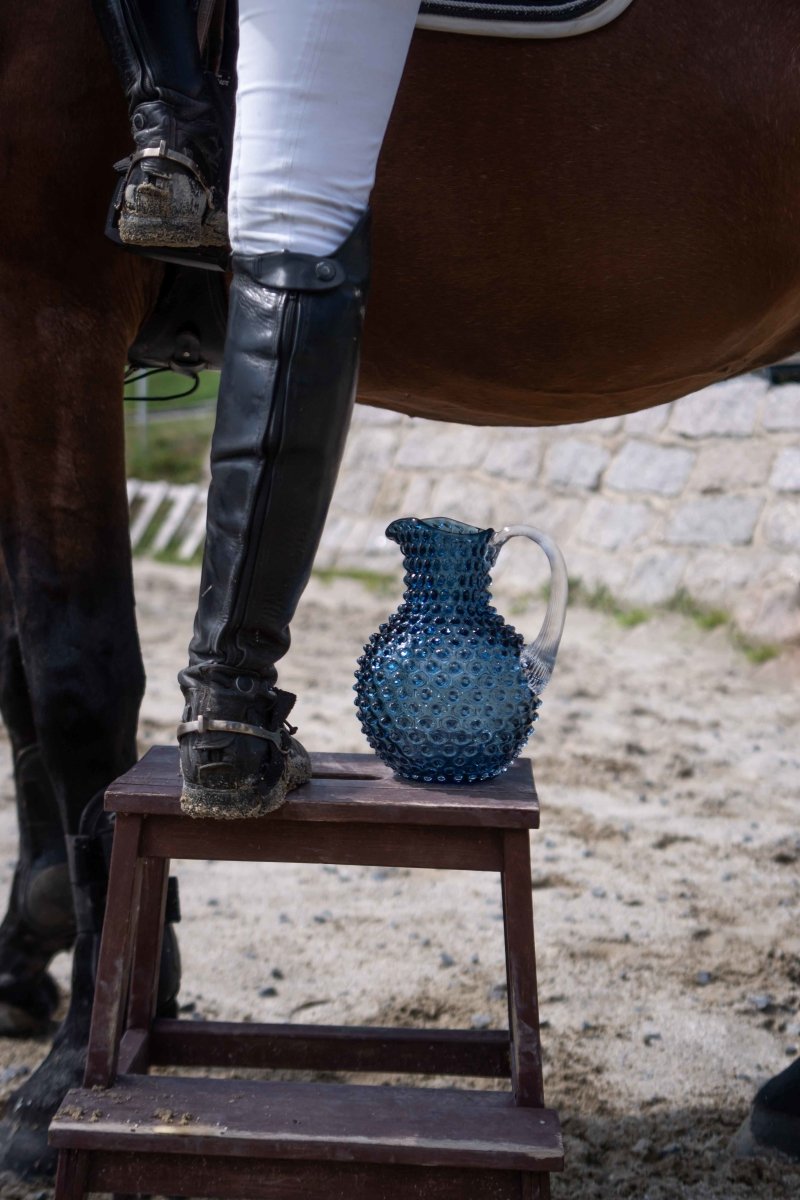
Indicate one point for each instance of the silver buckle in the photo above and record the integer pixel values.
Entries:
(205, 724)
(162, 151)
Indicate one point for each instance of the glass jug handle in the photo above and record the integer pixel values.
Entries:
(539, 657)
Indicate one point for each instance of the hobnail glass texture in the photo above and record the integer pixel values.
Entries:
(440, 690)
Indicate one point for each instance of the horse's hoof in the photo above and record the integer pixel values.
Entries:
(29, 1012)
(772, 1128)
(25, 1154)
(24, 1151)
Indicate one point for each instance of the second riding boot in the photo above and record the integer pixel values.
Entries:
(285, 399)
(175, 178)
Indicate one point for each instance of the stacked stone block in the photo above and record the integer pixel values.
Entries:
(700, 496)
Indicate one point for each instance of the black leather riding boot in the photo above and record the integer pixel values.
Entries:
(174, 185)
(286, 394)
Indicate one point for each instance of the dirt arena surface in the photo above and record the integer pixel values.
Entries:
(666, 892)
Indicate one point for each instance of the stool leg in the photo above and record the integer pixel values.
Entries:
(71, 1175)
(147, 946)
(537, 1187)
(116, 952)
(523, 1006)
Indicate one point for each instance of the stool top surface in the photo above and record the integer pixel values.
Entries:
(350, 787)
(436, 1127)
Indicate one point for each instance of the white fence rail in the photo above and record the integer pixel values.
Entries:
(167, 517)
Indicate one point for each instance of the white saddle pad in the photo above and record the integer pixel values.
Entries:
(535, 19)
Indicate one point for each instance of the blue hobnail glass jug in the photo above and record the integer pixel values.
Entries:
(446, 690)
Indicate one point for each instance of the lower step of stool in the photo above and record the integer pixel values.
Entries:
(199, 1177)
(326, 1122)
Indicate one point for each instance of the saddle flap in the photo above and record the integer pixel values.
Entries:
(185, 332)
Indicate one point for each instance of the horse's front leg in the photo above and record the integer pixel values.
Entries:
(64, 532)
(65, 544)
(39, 921)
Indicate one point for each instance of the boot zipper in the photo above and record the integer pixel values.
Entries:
(273, 435)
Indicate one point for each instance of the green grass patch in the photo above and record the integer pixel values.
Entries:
(167, 388)
(601, 599)
(755, 652)
(703, 616)
(165, 449)
(378, 582)
(629, 618)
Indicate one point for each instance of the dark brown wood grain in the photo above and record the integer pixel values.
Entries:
(116, 952)
(330, 1048)
(523, 1005)
(539, 1186)
(147, 948)
(72, 1175)
(464, 849)
(262, 1179)
(351, 787)
(134, 1052)
(324, 1122)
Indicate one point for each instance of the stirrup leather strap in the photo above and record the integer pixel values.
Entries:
(211, 725)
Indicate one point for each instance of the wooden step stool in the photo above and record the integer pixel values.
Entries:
(129, 1132)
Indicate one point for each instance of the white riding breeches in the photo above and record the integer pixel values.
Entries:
(317, 81)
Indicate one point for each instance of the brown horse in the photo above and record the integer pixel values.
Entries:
(563, 230)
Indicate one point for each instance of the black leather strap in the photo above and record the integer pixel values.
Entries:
(292, 272)
(289, 271)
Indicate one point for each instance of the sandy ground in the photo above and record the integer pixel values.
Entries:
(666, 877)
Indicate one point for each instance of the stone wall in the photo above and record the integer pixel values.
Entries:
(701, 495)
